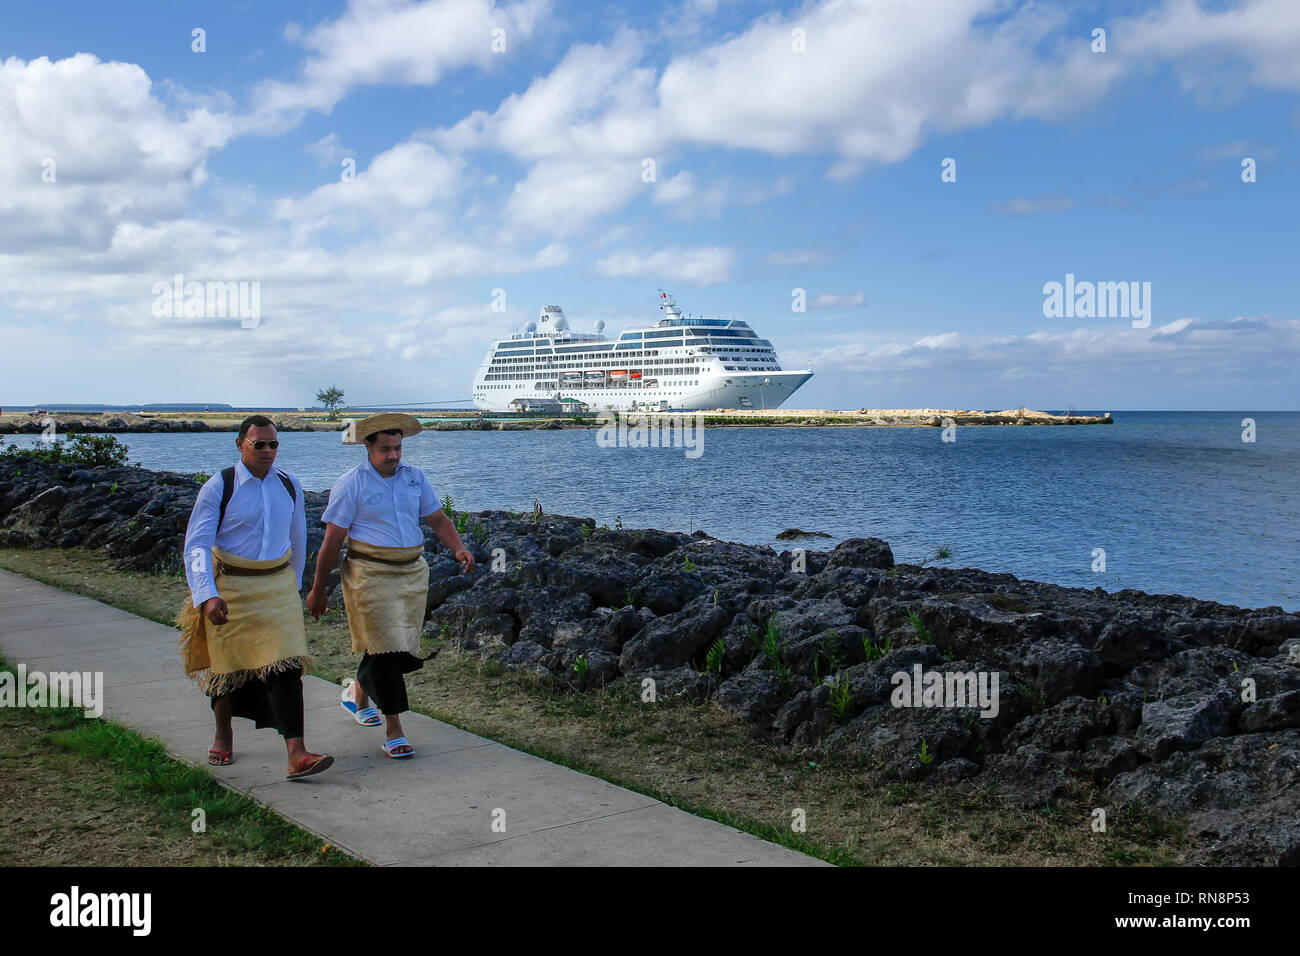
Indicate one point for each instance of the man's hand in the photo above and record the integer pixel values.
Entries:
(466, 560)
(316, 603)
(216, 610)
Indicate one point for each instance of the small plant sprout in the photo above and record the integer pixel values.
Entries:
(925, 755)
(918, 625)
(716, 592)
(618, 522)
(840, 696)
(687, 564)
(448, 506)
(581, 666)
(941, 553)
(713, 660)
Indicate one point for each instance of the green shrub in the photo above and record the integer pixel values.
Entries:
(85, 450)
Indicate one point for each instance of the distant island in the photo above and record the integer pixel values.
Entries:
(68, 420)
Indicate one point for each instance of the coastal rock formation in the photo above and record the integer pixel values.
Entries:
(111, 422)
(1159, 703)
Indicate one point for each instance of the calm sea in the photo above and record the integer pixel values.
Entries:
(1178, 501)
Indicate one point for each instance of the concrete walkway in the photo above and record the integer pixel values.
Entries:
(435, 809)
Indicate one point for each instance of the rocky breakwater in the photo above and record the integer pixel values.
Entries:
(92, 423)
(1039, 693)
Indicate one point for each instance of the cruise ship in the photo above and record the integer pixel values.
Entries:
(681, 363)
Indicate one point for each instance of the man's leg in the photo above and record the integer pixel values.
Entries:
(284, 690)
(224, 741)
(381, 676)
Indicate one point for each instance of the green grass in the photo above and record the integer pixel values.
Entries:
(136, 771)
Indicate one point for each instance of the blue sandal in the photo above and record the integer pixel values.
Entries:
(366, 716)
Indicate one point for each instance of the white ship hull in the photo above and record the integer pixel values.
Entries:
(679, 364)
(735, 390)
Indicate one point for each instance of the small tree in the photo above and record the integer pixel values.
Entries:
(331, 398)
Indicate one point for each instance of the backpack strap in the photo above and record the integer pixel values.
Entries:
(228, 490)
(288, 485)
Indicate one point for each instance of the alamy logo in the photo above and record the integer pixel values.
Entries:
(1098, 300)
(645, 431)
(75, 908)
(208, 300)
(946, 689)
(56, 689)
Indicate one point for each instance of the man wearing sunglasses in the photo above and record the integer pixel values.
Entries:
(243, 638)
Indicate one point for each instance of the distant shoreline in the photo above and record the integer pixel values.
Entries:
(25, 423)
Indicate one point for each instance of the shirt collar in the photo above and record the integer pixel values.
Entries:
(370, 465)
(242, 474)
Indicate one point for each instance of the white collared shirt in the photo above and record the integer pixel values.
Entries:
(262, 522)
(382, 511)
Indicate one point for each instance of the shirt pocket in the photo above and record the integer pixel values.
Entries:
(408, 500)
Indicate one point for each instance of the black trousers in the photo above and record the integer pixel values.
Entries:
(272, 701)
(382, 679)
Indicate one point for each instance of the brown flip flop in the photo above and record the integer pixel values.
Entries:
(322, 762)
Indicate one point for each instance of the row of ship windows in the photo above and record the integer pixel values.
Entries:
(519, 376)
(482, 388)
(530, 363)
(522, 356)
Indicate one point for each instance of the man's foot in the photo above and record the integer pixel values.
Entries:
(220, 758)
(398, 747)
(308, 764)
(365, 716)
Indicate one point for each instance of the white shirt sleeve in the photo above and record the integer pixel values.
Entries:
(341, 509)
(200, 536)
(298, 531)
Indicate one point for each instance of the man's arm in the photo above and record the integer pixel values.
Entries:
(446, 533)
(326, 560)
(200, 535)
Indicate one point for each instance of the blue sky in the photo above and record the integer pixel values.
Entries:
(775, 169)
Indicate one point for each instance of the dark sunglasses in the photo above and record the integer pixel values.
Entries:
(259, 445)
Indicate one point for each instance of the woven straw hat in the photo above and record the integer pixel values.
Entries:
(356, 432)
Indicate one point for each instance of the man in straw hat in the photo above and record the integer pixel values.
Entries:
(242, 634)
(376, 509)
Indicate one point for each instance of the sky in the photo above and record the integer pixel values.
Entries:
(885, 189)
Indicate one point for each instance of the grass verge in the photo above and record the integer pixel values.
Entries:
(88, 792)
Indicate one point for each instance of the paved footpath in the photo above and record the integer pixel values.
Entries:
(434, 809)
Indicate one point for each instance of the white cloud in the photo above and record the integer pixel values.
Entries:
(115, 153)
(391, 41)
(680, 187)
(408, 179)
(560, 196)
(705, 265)
(1194, 342)
(1209, 46)
(811, 258)
(1032, 207)
(829, 300)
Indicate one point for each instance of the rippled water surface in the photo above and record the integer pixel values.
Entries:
(1177, 500)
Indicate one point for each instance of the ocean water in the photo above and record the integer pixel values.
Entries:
(1178, 501)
